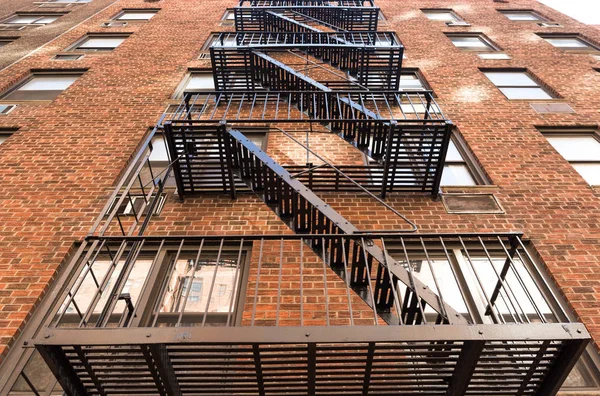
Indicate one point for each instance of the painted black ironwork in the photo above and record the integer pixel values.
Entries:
(372, 59)
(520, 345)
(341, 18)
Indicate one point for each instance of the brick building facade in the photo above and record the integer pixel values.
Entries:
(520, 84)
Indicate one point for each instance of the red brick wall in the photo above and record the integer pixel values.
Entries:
(58, 170)
(33, 38)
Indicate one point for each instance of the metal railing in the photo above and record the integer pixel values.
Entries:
(151, 281)
(205, 315)
(351, 106)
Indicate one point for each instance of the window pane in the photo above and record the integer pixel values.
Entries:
(525, 93)
(576, 148)
(511, 78)
(201, 81)
(590, 172)
(453, 153)
(189, 288)
(159, 150)
(521, 16)
(3, 138)
(47, 19)
(410, 82)
(441, 16)
(102, 42)
(494, 56)
(49, 83)
(457, 175)
(469, 42)
(23, 19)
(140, 16)
(567, 42)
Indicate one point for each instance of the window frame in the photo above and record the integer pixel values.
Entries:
(573, 133)
(450, 11)
(7, 40)
(539, 84)
(225, 21)
(4, 96)
(8, 107)
(417, 73)
(66, 3)
(591, 48)
(148, 297)
(490, 45)
(75, 47)
(117, 17)
(178, 94)
(540, 17)
(468, 160)
(7, 133)
(5, 23)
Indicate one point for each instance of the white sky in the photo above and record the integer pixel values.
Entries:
(586, 11)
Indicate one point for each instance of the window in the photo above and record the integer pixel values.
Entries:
(42, 86)
(198, 288)
(138, 205)
(6, 108)
(410, 81)
(70, 57)
(68, 1)
(5, 134)
(6, 40)
(582, 150)
(23, 20)
(441, 15)
(225, 40)
(522, 15)
(457, 171)
(99, 42)
(517, 85)
(569, 42)
(228, 18)
(197, 81)
(472, 42)
(136, 15)
(494, 55)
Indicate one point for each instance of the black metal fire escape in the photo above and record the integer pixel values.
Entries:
(254, 86)
(312, 65)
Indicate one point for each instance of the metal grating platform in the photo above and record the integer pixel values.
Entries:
(411, 156)
(341, 18)
(374, 60)
(455, 360)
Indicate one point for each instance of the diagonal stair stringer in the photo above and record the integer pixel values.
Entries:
(278, 188)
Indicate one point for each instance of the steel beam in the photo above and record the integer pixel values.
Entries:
(465, 366)
(55, 337)
(61, 367)
(165, 369)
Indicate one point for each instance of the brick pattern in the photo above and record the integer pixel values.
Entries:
(58, 170)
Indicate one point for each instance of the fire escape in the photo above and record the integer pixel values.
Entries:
(397, 312)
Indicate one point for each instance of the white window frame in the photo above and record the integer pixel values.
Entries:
(589, 47)
(539, 18)
(5, 97)
(455, 16)
(92, 36)
(125, 11)
(574, 134)
(488, 45)
(6, 25)
(535, 84)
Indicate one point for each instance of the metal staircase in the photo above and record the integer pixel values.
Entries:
(305, 213)
(286, 332)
